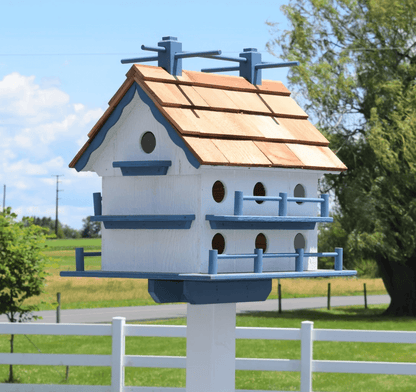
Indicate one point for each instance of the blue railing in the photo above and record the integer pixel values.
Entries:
(259, 255)
(283, 199)
(79, 258)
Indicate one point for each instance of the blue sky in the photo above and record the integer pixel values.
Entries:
(60, 65)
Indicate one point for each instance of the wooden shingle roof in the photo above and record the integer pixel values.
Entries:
(225, 120)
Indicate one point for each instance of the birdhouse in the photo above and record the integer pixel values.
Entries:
(209, 182)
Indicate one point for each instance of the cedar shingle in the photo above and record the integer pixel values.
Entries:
(242, 152)
(284, 106)
(167, 93)
(317, 157)
(279, 154)
(206, 150)
(302, 129)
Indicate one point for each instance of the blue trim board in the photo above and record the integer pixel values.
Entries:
(145, 221)
(201, 293)
(143, 168)
(207, 277)
(246, 222)
(115, 116)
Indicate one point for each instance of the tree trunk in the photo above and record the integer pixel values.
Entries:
(400, 282)
(11, 378)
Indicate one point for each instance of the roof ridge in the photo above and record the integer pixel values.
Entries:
(135, 70)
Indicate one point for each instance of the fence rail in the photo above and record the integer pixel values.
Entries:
(283, 199)
(118, 360)
(259, 255)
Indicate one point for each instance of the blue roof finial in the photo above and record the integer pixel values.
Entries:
(248, 68)
(250, 65)
(166, 59)
(170, 55)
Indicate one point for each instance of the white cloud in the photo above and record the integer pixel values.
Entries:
(19, 95)
(40, 130)
(78, 107)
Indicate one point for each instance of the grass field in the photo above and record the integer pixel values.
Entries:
(79, 293)
(340, 318)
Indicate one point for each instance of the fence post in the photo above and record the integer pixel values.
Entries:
(329, 297)
(306, 356)
(58, 308)
(279, 292)
(365, 296)
(117, 354)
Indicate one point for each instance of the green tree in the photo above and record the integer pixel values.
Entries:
(64, 231)
(357, 78)
(22, 269)
(90, 229)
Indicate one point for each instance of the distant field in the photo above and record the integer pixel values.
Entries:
(77, 293)
(86, 243)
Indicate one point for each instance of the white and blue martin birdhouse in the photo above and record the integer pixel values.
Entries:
(209, 182)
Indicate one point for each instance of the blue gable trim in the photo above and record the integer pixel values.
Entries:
(115, 116)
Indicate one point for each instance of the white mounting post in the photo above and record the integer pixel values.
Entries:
(210, 348)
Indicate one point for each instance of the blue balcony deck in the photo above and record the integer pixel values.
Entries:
(145, 221)
(208, 277)
(250, 222)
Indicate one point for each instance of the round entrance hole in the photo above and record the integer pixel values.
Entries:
(218, 191)
(261, 242)
(148, 142)
(259, 190)
(299, 191)
(299, 242)
(218, 243)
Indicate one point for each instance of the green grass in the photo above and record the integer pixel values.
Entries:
(86, 243)
(339, 318)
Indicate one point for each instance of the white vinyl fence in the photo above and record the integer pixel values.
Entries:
(118, 360)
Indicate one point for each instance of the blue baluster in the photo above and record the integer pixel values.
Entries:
(97, 203)
(238, 203)
(258, 261)
(325, 206)
(283, 204)
(79, 259)
(338, 259)
(299, 260)
(213, 262)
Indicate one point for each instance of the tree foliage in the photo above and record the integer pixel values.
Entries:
(64, 231)
(357, 77)
(22, 268)
(22, 265)
(90, 229)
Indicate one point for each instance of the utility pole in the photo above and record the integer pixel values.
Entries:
(4, 198)
(57, 198)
